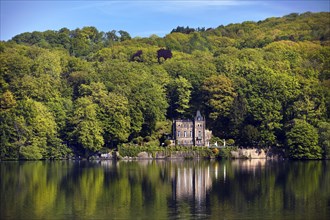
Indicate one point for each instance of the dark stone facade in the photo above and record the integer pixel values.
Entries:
(188, 132)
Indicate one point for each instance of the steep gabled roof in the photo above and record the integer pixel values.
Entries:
(198, 114)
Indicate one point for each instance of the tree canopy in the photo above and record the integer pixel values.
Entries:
(263, 84)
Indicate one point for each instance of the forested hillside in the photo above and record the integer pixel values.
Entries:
(263, 84)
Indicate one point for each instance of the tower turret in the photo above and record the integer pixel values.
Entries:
(199, 127)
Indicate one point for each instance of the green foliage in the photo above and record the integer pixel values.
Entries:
(185, 30)
(147, 139)
(30, 128)
(138, 140)
(32, 152)
(219, 95)
(133, 150)
(112, 111)
(230, 142)
(225, 153)
(215, 139)
(324, 138)
(87, 131)
(179, 95)
(126, 150)
(7, 101)
(80, 90)
(250, 136)
(302, 141)
(197, 151)
(167, 143)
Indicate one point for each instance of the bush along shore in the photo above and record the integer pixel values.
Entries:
(132, 152)
(129, 152)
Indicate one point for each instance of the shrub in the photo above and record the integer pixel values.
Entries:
(138, 140)
(128, 150)
(230, 142)
(214, 139)
(215, 151)
(224, 153)
(147, 138)
(32, 152)
(167, 143)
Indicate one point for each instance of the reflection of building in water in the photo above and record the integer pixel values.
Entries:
(192, 183)
(107, 163)
(249, 165)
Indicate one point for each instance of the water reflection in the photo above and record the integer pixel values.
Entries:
(249, 165)
(191, 182)
(165, 190)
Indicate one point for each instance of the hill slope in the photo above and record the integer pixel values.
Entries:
(263, 84)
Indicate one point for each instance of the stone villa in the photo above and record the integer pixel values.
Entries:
(187, 132)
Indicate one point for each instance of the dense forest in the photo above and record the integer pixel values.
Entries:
(262, 84)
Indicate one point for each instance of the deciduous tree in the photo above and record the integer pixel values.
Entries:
(302, 141)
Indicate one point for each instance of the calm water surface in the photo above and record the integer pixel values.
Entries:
(238, 189)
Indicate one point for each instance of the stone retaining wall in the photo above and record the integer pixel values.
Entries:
(254, 153)
(239, 154)
(169, 155)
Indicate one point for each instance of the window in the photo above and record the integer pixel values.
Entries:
(200, 134)
(179, 133)
(185, 134)
(190, 133)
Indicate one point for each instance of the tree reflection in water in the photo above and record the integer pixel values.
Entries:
(165, 189)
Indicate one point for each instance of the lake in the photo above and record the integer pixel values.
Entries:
(203, 189)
